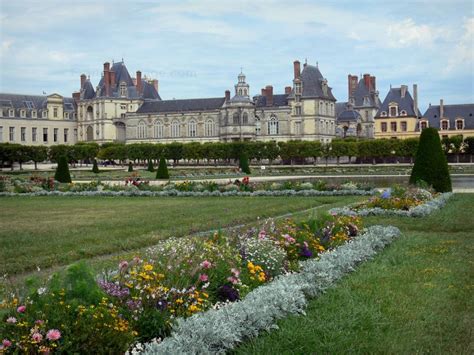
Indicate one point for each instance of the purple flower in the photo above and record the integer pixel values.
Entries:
(161, 305)
(305, 252)
(114, 290)
(386, 194)
(133, 305)
(352, 229)
(227, 293)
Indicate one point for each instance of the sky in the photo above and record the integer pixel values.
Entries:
(197, 48)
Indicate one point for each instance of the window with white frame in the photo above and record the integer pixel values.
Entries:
(45, 135)
(258, 126)
(209, 128)
(12, 134)
(141, 130)
(393, 110)
(23, 134)
(175, 129)
(423, 125)
(383, 114)
(45, 114)
(245, 118)
(11, 112)
(66, 135)
(235, 118)
(297, 128)
(33, 114)
(273, 128)
(192, 128)
(55, 112)
(298, 110)
(55, 134)
(22, 113)
(34, 134)
(123, 89)
(403, 113)
(459, 123)
(66, 115)
(1, 133)
(444, 125)
(158, 129)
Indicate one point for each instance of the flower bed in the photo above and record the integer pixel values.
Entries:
(179, 278)
(413, 202)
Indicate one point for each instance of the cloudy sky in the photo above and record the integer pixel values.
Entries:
(196, 48)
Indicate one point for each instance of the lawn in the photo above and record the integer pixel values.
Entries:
(415, 297)
(51, 231)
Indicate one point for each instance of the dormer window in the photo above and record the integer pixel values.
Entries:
(403, 113)
(459, 123)
(22, 113)
(298, 88)
(383, 114)
(423, 125)
(123, 89)
(11, 112)
(393, 110)
(33, 114)
(444, 125)
(45, 114)
(66, 115)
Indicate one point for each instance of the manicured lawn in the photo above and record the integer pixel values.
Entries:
(50, 231)
(415, 297)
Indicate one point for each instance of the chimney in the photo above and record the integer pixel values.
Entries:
(76, 96)
(415, 98)
(287, 90)
(367, 81)
(83, 80)
(372, 83)
(155, 84)
(352, 84)
(269, 95)
(227, 95)
(139, 82)
(263, 92)
(403, 91)
(297, 69)
(441, 108)
(107, 78)
(112, 79)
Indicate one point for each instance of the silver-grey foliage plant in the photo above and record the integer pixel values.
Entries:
(218, 330)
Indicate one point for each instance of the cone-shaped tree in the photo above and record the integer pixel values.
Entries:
(244, 163)
(62, 171)
(95, 168)
(430, 162)
(150, 166)
(130, 167)
(162, 172)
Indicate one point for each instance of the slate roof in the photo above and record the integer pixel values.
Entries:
(312, 79)
(88, 90)
(348, 115)
(30, 103)
(278, 100)
(405, 103)
(362, 92)
(451, 112)
(340, 106)
(182, 105)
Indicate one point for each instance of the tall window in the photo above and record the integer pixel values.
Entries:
(33, 114)
(298, 88)
(22, 113)
(258, 126)
(393, 126)
(298, 110)
(235, 118)
(273, 125)
(23, 134)
(383, 126)
(245, 118)
(403, 126)
(1, 133)
(393, 111)
(192, 128)
(55, 112)
(327, 108)
(123, 90)
(66, 134)
(141, 130)
(158, 129)
(12, 134)
(423, 125)
(297, 128)
(175, 129)
(55, 135)
(34, 134)
(459, 124)
(444, 125)
(209, 128)
(45, 135)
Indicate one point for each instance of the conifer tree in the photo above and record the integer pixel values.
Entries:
(244, 163)
(62, 171)
(150, 166)
(95, 168)
(130, 167)
(162, 172)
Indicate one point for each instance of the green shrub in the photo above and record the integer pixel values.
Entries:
(430, 163)
(150, 166)
(62, 171)
(95, 168)
(162, 172)
(130, 167)
(244, 163)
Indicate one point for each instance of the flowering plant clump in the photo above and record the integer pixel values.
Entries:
(397, 198)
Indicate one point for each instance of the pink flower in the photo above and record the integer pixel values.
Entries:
(37, 337)
(21, 309)
(206, 264)
(289, 239)
(6, 343)
(11, 320)
(123, 265)
(203, 277)
(39, 321)
(53, 334)
(233, 279)
(262, 235)
(235, 272)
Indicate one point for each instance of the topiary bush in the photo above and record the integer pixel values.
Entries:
(431, 165)
(130, 167)
(150, 166)
(62, 171)
(162, 172)
(244, 163)
(95, 168)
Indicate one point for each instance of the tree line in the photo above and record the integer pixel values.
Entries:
(287, 152)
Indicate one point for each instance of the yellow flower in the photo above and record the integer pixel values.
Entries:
(179, 301)
(148, 267)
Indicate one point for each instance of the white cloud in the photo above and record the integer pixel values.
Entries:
(407, 33)
(463, 54)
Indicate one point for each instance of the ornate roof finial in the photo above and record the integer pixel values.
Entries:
(306, 61)
(241, 70)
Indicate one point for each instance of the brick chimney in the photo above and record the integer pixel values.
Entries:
(403, 91)
(227, 95)
(112, 79)
(372, 83)
(297, 69)
(76, 96)
(83, 80)
(367, 82)
(154, 82)
(351, 84)
(415, 98)
(287, 90)
(441, 108)
(139, 82)
(269, 95)
(107, 78)
(263, 92)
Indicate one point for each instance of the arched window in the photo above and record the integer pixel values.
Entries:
(209, 128)
(245, 118)
(158, 129)
(273, 125)
(175, 129)
(327, 127)
(403, 113)
(141, 130)
(235, 118)
(258, 126)
(393, 111)
(444, 125)
(123, 89)
(327, 108)
(383, 114)
(321, 108)
(423, 125)
(90, 113)
(240, 92)
(245, 92)
(459, 123)
(192, 128)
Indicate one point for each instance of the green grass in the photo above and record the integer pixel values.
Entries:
(51, 231)
(415, 297)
